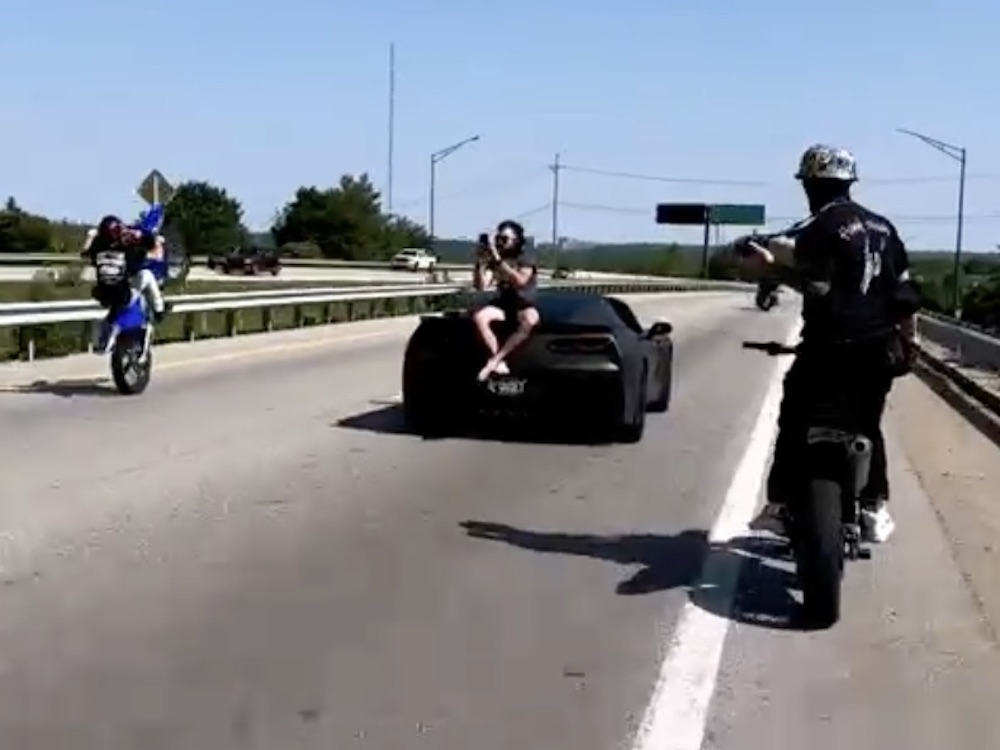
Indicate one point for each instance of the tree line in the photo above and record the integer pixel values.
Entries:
(345, 221)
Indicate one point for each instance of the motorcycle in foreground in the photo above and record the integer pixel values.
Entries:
(825, 519)
(767, 295)
(127, 332)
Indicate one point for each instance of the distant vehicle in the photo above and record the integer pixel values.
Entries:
(247, 260)
(767, 295)
(413, 259)
(589, 361)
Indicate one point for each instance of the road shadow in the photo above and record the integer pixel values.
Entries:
(687, 560)
(389, 420)
(68, 388)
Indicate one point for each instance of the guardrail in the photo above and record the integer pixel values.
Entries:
(970, 345)
(57, 259)
(961, 363)
(30, 320)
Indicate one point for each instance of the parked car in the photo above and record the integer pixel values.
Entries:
(414, 259)
(247, 260)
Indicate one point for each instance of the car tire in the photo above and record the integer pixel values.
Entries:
(428, 408)
(632, 430)
(662, 402)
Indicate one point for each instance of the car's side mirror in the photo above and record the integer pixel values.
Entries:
(659, 329)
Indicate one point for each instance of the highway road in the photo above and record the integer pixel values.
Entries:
(254, 554)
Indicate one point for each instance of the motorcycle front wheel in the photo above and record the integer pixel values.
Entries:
(130, 373)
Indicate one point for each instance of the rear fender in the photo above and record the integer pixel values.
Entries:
(444, 348)
(597, 352)
(131, 317)
(842, 456)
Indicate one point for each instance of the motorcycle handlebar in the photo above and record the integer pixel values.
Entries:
(771, 348)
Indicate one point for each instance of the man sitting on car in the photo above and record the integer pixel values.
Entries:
(505, 264)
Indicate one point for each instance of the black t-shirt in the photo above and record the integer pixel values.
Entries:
(853, 269)
(507, 291)
(115, 262)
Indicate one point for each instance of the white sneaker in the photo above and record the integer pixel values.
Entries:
(876, 524)
(771, 518)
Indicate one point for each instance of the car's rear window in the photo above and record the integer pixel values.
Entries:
(576, 308)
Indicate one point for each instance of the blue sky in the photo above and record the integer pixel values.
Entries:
(262, 96)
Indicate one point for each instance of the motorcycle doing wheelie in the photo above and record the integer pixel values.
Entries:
(767, 295)
(825, 515)
(127, 331)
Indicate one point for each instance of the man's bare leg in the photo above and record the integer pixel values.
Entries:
(484, 319)
(527, 319)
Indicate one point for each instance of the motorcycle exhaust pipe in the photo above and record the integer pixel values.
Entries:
(860, 452)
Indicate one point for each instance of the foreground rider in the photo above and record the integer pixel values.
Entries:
(505, 264)
(117, 254)
(858, 322)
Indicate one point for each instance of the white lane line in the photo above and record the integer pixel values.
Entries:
(677, 714)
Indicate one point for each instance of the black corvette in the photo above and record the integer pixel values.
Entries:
(589, 361)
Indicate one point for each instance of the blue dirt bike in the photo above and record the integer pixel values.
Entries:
(127, 332)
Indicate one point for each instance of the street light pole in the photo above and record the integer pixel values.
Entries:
(959, 154)
(436, 157)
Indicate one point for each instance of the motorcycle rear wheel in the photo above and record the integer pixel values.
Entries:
(130, 375)
(820, 551)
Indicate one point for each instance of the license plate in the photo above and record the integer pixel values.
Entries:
(506, 386)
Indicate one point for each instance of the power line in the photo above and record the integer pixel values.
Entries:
(634, 211)
(762, 183)
(657, 178)
(532, 211)
(482, 186)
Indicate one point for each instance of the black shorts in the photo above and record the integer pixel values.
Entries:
(111, 296)
(510, 304)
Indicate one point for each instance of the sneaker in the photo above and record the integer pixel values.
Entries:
(772, 518)
(876, 524)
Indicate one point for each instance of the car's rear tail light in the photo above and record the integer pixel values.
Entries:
(594, 345)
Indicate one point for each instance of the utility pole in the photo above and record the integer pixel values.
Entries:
(392, 122)
(556, 168)
(959, 154)
(436, 157)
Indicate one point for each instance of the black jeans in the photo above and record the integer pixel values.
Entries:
(850, 382)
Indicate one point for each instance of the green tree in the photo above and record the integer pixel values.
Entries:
(21, 232)
(981, 304)
(205, 218)
(344, 222)
(723, 265)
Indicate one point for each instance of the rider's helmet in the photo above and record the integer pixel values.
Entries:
(823, 162)
(110, 229)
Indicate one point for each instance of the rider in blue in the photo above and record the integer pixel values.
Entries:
(118, 254)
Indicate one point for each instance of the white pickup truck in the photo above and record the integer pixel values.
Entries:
(413, 259)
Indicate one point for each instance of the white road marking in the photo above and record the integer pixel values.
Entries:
(677, 714)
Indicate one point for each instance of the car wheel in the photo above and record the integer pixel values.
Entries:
(631, 431)
(662, 402)
(428, 409)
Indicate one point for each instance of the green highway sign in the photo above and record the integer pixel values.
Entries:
(740, 214)
(700, 214)
(155, 188)
(689, 214)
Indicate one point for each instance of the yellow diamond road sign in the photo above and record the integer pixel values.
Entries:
(155, 188)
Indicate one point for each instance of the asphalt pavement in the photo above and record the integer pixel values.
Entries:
(254, 554)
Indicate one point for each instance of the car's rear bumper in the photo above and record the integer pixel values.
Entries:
(581, 395)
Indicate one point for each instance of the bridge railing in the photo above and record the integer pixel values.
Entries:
(62, 327)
